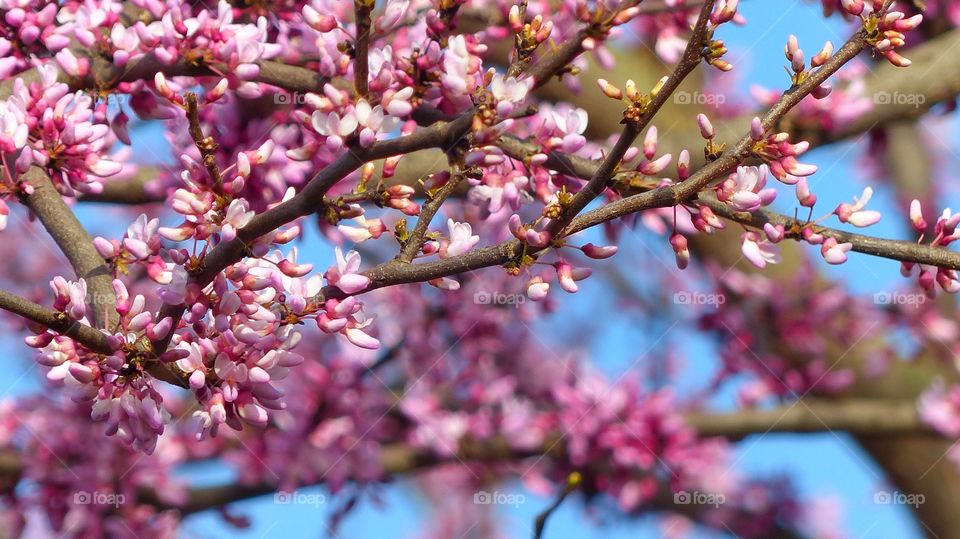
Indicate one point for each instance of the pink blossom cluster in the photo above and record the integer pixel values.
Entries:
(46, 125)
(83, 489)
(174, 34)
(438, 370)
(888, 30)
(944, 232)
(122, 393)
(27, 28)
(809, 327)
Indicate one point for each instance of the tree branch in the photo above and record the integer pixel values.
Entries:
(57, 321)
(361, 46)
(904, 251)
(419, 235)
(73, 239)
(600, 179)
(864, 417)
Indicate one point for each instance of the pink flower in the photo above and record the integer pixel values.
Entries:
(706, 127)
(853, 7)
(745, 191)
(142, 239)
(238, 216)
(461, 240)
(834, 252)
(680, 250)
(345, 275)
(334, 128)
(537, 289)
(916, 216)
(758, 250)
(372, 228)
(569, 275)
(855, 213)
(599, 252)
(940, 407)
(509, 92)
(804, 196)
(70, 297)
(458, 78)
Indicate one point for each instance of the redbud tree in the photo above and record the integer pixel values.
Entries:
(465, 165)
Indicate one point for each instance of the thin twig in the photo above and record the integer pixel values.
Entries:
(419, 235)
(541, 521)
(361, 46)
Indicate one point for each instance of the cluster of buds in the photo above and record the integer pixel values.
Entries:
(944, 233)
(778, 152)
(714, 49)
(885, 30)
(705, 220)
(713, 53)
(567, 275)
(833, 251)
(637, 102)
(118, 386)
(398, 197)
(602, 18)
(527, 36)
(650, 164)
(498, 105)
(141, 243)
(798, 67)
(528, 233)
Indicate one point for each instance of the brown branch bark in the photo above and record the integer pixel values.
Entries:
(88, 336)
(867, 417)
(133, 191)
(361, 46)
(419, 235)
(73, 239)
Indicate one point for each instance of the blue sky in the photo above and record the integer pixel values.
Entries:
(823, 464)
